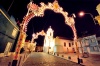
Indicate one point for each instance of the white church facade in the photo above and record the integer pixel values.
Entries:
(48, 41)
(58, 44)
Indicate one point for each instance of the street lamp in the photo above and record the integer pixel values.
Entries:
(83, 13)
(71, 23)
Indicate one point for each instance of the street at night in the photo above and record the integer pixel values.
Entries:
(44, 59)
(49, 32)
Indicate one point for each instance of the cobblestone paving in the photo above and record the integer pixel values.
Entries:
(43, 59)
(4, 61)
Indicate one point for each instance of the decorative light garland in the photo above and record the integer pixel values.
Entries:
(35, 10)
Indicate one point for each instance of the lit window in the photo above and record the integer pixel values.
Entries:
(7, 49)
(92, 40)
(14, 32)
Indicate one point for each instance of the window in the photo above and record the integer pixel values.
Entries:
(14, 32)
(72, 43)
(49, 47)
(7, 49)
(50, 34)
(99, 41)
(64, 44)
(95, 48)
(92, 40)
(69, 44)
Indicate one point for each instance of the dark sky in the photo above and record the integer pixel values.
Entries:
(84, 25)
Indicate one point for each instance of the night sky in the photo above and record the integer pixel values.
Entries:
(84, 25)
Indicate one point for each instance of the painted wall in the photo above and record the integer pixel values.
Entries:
(64, 45)
(89, 44)
(98, 39)
(98, 9)
(8, 32)
(49, 41)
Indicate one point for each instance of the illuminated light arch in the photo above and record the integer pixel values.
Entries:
(35, 10)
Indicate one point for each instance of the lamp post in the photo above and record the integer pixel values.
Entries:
(21, 41)
(71, 23)
(83, 13)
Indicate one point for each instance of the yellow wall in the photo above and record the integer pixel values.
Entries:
(59, 43)
(98, 9)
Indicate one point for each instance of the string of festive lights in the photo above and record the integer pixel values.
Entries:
(35, 10)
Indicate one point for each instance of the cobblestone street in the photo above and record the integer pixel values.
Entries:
(43, 59)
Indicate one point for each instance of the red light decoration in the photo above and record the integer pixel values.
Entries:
(17, 49)
(16, 56)
(32, 6)
(35, 10)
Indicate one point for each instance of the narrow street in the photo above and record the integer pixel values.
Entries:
(43, 59)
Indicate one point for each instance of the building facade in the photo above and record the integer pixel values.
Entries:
(98, 39)
(64, 46)
(98, 17)
(49, 41)
(58, 44)
(89, 44)
(98, 8)
(8, 33)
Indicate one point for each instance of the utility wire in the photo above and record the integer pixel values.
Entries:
(10, 5)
